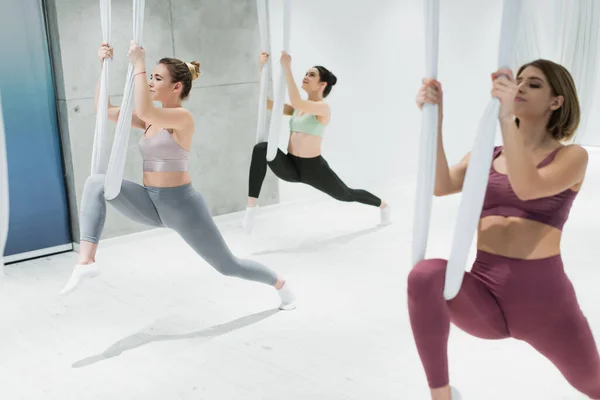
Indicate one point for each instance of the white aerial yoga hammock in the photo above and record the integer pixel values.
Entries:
(266, 77)
(4, 200)
(100, 149)
(428, 140)
(476, 177)
(116, 163)
(278, 99)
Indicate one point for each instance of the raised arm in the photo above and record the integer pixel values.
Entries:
(566, 171)
(448, 180)
(177, 119)
(287, 109)
(113, 111)
(317, 108)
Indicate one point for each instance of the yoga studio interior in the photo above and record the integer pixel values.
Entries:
(209, 149)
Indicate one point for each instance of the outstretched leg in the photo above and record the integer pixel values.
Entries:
(317, 173)
(184, 210)
(553, 324)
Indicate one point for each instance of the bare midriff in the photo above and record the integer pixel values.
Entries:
(517, 238)
(166, 179)
(304, 145)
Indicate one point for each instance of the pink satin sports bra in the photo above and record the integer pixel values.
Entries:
(161, 153)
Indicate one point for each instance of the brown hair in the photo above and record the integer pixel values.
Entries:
(564, 121)
(182, 72)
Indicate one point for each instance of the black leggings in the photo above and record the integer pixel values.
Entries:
(312, 171)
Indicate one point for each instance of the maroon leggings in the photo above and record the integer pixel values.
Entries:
(529, 300)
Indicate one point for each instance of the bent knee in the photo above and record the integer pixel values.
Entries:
(260, 148)
(426, 276)
(94, 184)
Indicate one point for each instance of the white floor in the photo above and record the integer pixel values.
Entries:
(159, 323)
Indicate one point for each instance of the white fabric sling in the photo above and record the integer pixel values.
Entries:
(4, 200)
(101, 143)
(278, 99)
(428, 139)
(266, 77)
(118, 155)
(476, 178)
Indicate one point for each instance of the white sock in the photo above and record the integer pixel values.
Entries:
(386, 215)
(454, 394)
(248, 223)
(288, 300)
(80, 273)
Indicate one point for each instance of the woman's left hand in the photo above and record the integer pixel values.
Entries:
(286, 60)
(505, 89)
(136, 54)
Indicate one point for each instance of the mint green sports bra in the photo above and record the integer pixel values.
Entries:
(306, 123)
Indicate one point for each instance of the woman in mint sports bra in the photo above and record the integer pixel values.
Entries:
(167, 198)
(303, 161)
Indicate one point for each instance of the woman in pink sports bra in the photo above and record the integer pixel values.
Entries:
(167, 198)
(517, 287)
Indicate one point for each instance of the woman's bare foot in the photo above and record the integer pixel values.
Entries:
(87, 252)
(443, 393)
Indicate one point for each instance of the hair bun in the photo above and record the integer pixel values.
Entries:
(333, 80)
(194, 68)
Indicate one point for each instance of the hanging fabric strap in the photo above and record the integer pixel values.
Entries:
(118, 155)
(480, 161)
(428, 139)
(4, 200)
(277, 113)
(266, 76)
(101, 143)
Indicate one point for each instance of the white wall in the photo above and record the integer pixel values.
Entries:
(376, 49)
(591, 136)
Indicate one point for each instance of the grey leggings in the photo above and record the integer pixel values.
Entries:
(180, 208)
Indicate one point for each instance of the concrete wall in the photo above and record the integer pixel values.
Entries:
(221, 34)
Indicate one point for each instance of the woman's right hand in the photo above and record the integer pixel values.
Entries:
(430, 93)
(263, 59)
(105, 52)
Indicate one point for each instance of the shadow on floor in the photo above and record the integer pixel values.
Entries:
(316, 245)
(144, 337)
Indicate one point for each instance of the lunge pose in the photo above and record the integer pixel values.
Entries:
(167, 198)
(518, 287)
(303, 161)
